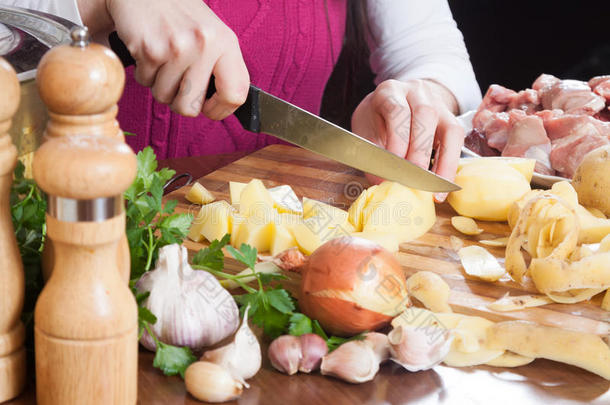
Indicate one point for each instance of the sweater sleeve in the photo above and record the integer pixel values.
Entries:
(418, 39)
(67, 9)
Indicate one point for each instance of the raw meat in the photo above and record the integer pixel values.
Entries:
(527, 138)
(567, 152)
(495, 127)
(497, 98)
(527, 100)
(601, 85)
(476, 142)
(571, 96)
(543, 81)
(571, 124)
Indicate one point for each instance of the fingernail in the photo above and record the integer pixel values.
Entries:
(440, 197)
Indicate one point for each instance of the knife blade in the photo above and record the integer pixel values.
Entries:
(263, 112)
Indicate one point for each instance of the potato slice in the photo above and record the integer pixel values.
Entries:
(604, 245)
(465, 225)
(528, 339)
(285, 200)
(498, 242)
(431, 290)
(255, 201)
(518, 303)
(281, 239)
(510, 359)
(213, 221)
(236, 221)
(312, 233)
(198, 194)
(235, 189)
(354, 213)
(255, 232)
(478, 262)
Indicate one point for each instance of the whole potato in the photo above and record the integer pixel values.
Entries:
(592, 180)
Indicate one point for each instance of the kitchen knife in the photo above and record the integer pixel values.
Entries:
(263, 112)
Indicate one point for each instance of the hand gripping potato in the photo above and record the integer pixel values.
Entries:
(528, 339)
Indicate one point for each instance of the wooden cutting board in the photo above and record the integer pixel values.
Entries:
(322, 179)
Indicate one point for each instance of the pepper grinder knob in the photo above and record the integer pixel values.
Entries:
(80, 36)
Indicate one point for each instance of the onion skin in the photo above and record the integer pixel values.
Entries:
(355, 269)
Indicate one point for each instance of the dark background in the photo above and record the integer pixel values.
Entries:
(510, 43)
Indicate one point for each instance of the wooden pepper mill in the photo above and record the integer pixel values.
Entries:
(86, 319)
(81, 84)
(12, 333)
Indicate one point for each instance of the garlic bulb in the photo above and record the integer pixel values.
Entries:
(191, 307)
(210, 382)
(418, 349)
(357, 361)
(241, 358)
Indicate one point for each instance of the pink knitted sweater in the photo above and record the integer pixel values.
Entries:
(290, 48)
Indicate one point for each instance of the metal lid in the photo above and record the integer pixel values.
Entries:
(26, 35)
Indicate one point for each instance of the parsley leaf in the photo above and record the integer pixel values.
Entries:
(212, 257)
(246, 254)
(172, 360)
(299, 325)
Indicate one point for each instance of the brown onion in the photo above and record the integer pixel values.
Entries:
(351, 285)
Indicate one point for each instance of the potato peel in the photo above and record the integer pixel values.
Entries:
(510, 359)
(430, 289)
(520, 302)
(478, 262)
(498, 242)
(584, 350)
(466, 225)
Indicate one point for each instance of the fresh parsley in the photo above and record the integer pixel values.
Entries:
(150, 225)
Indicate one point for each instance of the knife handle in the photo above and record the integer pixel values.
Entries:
(248, 113)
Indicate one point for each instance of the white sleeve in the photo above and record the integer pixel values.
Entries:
(418, 39)
(67, 9)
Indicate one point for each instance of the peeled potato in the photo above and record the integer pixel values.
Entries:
(489, 187)
(524, 165)
(591, 180)
(528, 339)
(430, 289)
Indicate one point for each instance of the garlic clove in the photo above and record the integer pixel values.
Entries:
(313, 348)
(242, 357)
(285, 354)
(380, 345)
(210, 382)
(355, 362)
(418, 349)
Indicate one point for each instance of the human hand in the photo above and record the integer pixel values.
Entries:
(178, 45)
(410, 119)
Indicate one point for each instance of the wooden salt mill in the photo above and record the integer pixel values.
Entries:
(86, 319)
(81, 84)
(12, 333)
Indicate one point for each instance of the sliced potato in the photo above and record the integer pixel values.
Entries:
(198, 194)
(213, 221)
(498, 242)
(465, 225)
(604, 245)
(255, 201)
(285, 200)
(256, 233)
(478, 262)
(281, 239)
(575, 295)
(518, 303)
(431, 290)
(235, 189)
(354, 213)
(528, 339)
(510, 359)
